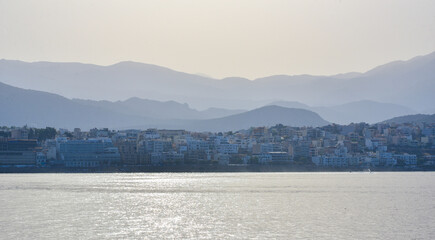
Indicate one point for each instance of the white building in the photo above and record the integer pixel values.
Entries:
(227, 148)
(51, 153)
(386, 158)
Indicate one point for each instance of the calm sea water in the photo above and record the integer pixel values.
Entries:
(218, 206)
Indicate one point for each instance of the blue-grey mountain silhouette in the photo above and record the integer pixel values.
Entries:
(409, 83)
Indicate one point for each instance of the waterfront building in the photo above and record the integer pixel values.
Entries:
(264, 158)
(14, 158)
(280, 157)
(227, 148)
(41, 159)
(406, 159)
(330, 161)
(18, 152)
(20, 133)
(89, 153)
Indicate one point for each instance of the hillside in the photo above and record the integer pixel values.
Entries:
(158, 109)
(20, 107)
(264, 116)
(417, 118)
(359, 111)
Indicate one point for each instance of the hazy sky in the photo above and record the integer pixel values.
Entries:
(220, 38)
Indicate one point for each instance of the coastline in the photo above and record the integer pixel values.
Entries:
(208, 168)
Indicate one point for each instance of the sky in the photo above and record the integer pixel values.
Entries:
(221, 38)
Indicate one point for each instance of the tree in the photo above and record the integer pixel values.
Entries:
(42, 134)
(69, 135)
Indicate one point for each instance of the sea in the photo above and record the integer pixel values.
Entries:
(344, 205)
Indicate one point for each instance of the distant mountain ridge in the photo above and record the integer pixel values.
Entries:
(264, 116)
(20, 107)
(359, 111)
(409, 83)
(157, 109)
(416, 118)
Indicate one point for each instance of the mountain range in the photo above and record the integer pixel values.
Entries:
(416, 118)
(228, 104)
(264, 116)
(157, 109)
(19, 107)
(359, 111)
(408, 83)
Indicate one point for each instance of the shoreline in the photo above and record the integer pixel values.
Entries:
(208, 168)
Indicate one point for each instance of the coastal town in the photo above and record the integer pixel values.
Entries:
(355, 146)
